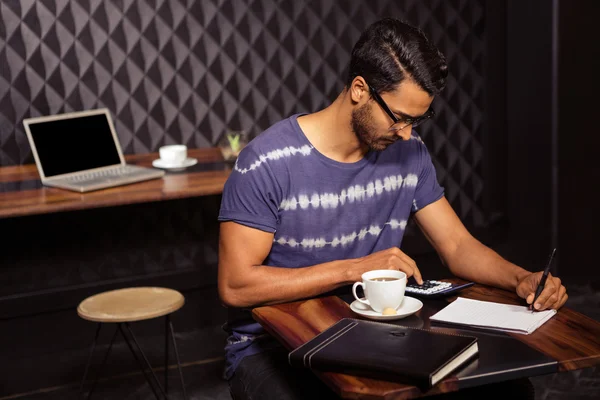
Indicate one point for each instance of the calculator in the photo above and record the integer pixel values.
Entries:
(430, 288)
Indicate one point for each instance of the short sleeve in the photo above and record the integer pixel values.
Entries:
(251, 195)
(428, 189)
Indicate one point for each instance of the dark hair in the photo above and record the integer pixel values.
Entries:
(390, 51)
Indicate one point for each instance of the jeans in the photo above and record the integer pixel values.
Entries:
(268, 376)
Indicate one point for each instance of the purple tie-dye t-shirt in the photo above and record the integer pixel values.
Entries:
(319, 209)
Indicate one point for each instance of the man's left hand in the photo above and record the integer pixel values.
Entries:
(553, 296)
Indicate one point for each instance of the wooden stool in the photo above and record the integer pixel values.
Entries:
(128, 305)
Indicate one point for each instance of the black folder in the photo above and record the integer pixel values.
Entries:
(383, 351)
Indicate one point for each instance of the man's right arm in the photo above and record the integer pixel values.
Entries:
(245, 282)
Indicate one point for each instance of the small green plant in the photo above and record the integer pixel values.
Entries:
(234, 141)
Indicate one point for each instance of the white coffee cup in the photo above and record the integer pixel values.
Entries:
(173, 154)
(382, 294)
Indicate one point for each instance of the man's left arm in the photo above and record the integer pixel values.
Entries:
(469, 259)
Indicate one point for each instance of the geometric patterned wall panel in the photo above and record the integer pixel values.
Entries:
(183, 71)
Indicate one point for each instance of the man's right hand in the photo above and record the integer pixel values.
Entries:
(392, 258)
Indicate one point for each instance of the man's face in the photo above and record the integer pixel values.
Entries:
(371, 123)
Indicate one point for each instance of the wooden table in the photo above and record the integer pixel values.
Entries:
(21, 191)
(568, 341)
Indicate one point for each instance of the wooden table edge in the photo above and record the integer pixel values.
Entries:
(561, 365)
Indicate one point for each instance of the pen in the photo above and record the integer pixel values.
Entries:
(542, 283)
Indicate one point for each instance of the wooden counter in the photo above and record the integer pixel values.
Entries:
(21, 191)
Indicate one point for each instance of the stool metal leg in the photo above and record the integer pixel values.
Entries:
(169, 331)
(103, 363)
(142, 367)
(177, 357)
(89, 361)
(167, 354)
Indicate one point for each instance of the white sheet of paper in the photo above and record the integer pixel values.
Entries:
(497, 316)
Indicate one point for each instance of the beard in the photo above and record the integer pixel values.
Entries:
(364, 128)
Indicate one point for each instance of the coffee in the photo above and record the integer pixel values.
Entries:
(380, 296)
(384, 279)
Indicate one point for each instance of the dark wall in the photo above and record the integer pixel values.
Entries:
(529, 130)
(579, 139)
(495, 141)
(552, 64)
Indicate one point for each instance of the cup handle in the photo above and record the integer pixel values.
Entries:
(357, 284)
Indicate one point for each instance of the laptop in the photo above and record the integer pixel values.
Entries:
(80, 151)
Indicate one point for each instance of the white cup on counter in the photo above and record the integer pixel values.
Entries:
(173, 154)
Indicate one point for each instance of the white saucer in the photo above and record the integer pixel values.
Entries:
(409, 306)
(188, 162)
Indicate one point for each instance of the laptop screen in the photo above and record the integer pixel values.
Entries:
(74, 144)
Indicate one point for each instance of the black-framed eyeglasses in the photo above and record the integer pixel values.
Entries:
(400, 123)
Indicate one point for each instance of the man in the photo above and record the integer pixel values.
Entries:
(318, 199)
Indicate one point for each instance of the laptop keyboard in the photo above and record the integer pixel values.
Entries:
(125, 171)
